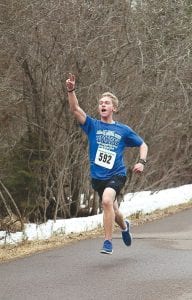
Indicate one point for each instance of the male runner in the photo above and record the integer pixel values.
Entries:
(107, 141)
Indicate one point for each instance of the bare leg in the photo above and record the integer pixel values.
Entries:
(118, 216)
(108, 198)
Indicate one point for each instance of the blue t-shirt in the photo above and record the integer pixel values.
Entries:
(107, 143)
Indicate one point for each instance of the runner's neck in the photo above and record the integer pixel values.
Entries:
(108, 121)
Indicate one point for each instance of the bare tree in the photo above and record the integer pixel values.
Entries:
(139, 50)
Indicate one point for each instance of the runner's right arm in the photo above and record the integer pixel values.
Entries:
(78, 112)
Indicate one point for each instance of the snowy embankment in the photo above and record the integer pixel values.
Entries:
(145, 202)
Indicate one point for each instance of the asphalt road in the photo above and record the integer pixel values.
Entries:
(157, 266)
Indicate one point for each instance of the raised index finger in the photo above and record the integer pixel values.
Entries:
(71, 77)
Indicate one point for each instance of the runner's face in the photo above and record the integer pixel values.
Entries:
(106, 107)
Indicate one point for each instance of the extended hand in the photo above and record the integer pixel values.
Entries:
(70, 82)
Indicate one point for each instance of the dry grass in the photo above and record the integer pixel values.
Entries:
(10, 252)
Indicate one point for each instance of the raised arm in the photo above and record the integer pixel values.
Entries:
(78, 112)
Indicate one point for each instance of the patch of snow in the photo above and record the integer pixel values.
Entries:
(144, 202)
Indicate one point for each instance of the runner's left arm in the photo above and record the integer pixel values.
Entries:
(139, 166)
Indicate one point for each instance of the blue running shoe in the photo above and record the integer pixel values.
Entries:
(126, 235)
(107, 247)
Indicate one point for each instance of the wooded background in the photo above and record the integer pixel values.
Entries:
(139, 50)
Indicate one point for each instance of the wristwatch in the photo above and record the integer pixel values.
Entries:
(142, 161)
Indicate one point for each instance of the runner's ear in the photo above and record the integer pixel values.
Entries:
(115, 109)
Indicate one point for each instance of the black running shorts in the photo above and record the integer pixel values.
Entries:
(116, 182)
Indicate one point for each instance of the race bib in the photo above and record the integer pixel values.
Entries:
(105, 158)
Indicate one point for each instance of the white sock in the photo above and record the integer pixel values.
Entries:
(125, 228)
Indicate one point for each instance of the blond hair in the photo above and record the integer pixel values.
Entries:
(114, 99)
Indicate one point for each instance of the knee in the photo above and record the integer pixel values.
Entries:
(107, 202)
